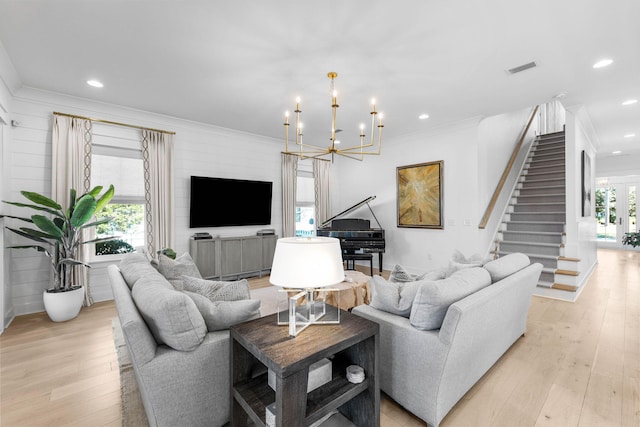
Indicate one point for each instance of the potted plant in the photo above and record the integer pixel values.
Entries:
(631, 239)
(59, 237)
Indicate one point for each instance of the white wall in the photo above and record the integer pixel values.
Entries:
(417, 249)
(580, 231)
(199, 150)
(475, 153)
(497, 137)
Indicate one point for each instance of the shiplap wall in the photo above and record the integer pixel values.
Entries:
(199, 150)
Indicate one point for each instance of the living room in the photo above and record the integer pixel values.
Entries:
(473, 157)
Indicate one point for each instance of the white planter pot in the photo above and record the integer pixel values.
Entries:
(63, 306)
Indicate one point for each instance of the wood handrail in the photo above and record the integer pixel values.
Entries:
(507, 170)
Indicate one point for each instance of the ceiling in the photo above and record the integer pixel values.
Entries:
(240, 64)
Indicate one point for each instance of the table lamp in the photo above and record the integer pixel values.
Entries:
(306, 264)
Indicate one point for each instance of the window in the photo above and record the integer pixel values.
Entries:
(305, 203)
(117, 159)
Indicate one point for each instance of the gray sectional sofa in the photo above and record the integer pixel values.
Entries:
(439, 337)
(181, 364)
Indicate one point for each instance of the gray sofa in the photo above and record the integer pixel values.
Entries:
(181, 368)
(442, 343)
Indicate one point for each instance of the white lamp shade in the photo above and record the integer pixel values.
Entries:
(307, 262)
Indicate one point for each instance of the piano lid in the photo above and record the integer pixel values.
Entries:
(352, 208)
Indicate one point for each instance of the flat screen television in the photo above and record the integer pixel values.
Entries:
(223, 202)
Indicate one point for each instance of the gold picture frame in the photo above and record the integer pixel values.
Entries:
(420, 195)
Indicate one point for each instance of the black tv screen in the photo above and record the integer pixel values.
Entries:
(222, 202)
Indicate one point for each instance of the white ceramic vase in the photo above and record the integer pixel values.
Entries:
(63, 306)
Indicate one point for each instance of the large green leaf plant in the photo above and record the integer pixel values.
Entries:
(59, 235)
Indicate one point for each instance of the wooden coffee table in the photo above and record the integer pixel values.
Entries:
(261, 343)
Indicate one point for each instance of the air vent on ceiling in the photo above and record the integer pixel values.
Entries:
(522, 67)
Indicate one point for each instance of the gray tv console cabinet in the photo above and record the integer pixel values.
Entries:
(233, 257)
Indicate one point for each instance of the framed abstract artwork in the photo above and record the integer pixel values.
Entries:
(586, 184)
(420, 195)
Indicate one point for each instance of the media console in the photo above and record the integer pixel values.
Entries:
(233, 257)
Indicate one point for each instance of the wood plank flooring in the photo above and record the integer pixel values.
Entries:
(578, 365)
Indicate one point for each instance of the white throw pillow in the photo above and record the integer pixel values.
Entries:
(219, 315)
(216, 290)
(173, 270)
(506, 265)
(400, 274)
(434, 298)
(393, 297)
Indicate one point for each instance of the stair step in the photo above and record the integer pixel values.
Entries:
(532, 236)
(568, 272)
(537, 216)
(546, 276)
(538, 207)
(554, 189)
(541, 198)
(551, 143)
(551, 249)
(564, 258)
(534, 182)
(549, 261)
(545, 284)
(533, 165)
(563, 287)
(542, 149)
(543, 175)
(535, 226)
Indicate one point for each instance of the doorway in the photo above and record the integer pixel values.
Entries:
(616, 212)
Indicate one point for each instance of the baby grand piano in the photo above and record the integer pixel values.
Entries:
(356, 236)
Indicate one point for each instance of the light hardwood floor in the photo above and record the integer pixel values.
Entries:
(578, 365)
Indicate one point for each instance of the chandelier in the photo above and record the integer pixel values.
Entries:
(357, 152)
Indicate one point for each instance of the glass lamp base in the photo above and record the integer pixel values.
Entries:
(307, 307)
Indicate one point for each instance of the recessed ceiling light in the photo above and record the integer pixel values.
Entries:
(423, 116)
(630, 135)
(603, 63)
(616, 152)
(95, 83)
(630, 102)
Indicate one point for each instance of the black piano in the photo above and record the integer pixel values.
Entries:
(357, 239)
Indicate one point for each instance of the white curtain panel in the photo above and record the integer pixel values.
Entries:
(71, 168)
(321, 186)
(157, 157)
(289, 178)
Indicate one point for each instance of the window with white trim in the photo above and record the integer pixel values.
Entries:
(117, 159)
(305, 201)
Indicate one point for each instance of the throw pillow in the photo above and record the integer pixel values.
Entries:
(173, 270)
(219, 315)
(459, 262)
(393, 297)
(400, 274)
(172, 316)
(133, 266)
(434, 298)
(506, 265)
(217, 290)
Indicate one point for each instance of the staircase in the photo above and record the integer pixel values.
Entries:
(534, 223)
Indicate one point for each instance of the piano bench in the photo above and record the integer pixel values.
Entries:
(351, 259)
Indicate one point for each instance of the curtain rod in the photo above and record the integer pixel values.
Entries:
(109, 122)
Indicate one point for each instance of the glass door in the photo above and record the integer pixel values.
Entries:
(616, 212)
